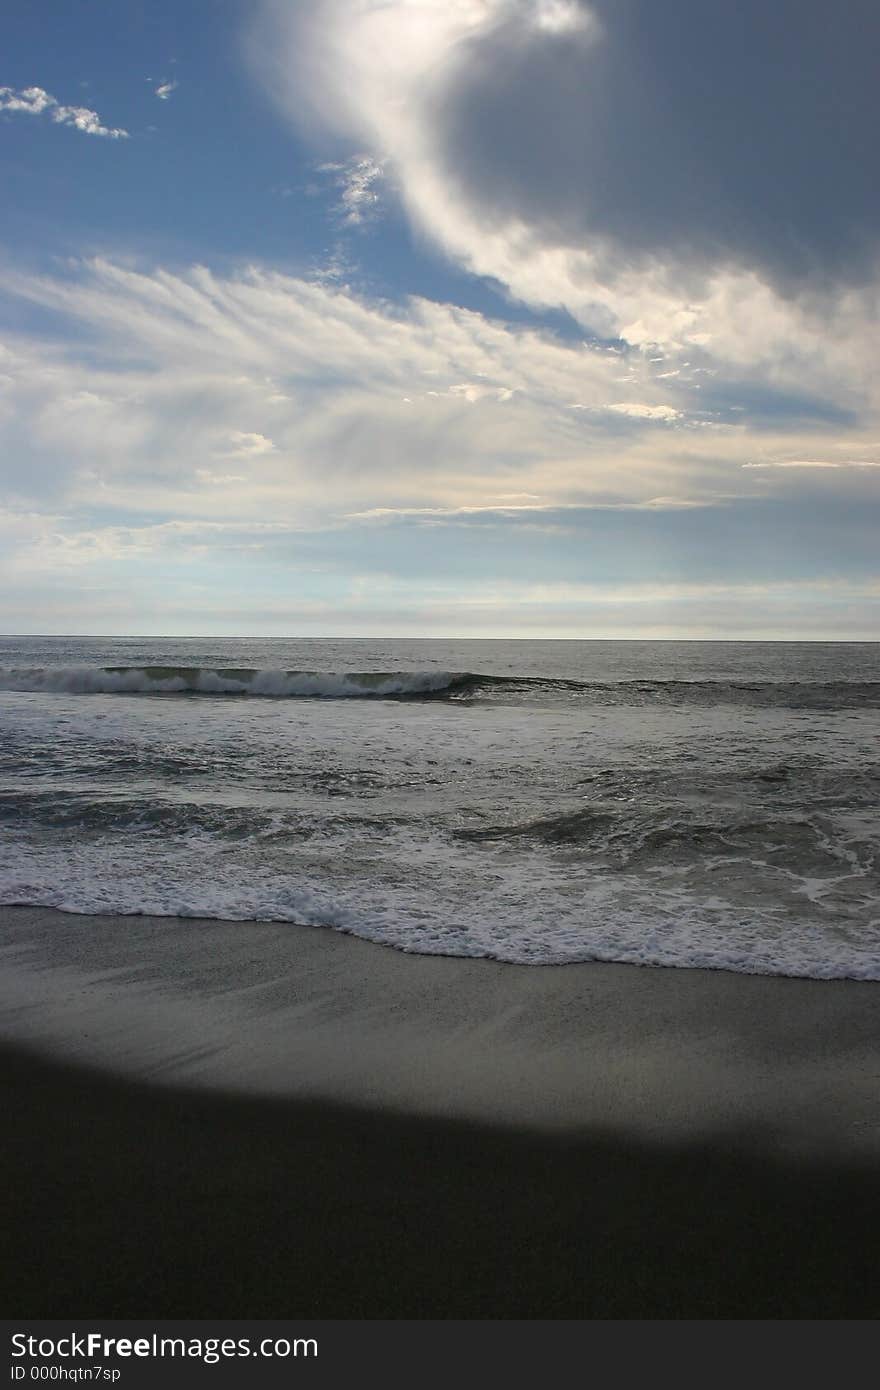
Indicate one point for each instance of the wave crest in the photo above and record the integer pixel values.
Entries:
(438, 685)
(202, 680)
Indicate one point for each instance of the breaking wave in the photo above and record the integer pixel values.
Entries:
(402, 685)
(202, 680)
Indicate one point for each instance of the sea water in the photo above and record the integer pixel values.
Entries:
(690, 804)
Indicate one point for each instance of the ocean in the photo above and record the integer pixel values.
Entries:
(686, 804)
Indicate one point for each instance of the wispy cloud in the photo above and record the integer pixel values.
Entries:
(164, 90)
(186, 419)
(813, 463)
(502, 509)
(322, 392)
(34, 101)
(358, 180)
(638, 410)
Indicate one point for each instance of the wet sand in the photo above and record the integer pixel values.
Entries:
(236, 1120)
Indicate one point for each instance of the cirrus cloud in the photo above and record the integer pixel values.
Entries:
(197, 430)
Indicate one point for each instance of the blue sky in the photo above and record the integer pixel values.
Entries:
(503, 317)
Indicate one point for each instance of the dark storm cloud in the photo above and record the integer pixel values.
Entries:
(703, 132)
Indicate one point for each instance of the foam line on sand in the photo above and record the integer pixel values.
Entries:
(282, 1010)
(219, 1120)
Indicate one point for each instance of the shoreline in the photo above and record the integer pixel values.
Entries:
(307, 1013)
(222, 1120)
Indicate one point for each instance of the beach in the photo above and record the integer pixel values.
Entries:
(211, 1119)
(439, 670)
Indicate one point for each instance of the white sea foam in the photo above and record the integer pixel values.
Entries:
(408, 885)
(528, 825)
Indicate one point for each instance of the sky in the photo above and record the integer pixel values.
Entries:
(462, 318)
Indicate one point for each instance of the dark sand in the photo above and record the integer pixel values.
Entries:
(635, 1172)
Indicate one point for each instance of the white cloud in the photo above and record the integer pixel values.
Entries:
(34, 101)
(504, 508)
(813, 463)
(31, 100)
(637, 410)
(357, 180)
(247, 444)
(409, 82)
(561, 16)
(474, 391)
(258, 415)
(206, 475)
(164, 90)
(326, 401)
